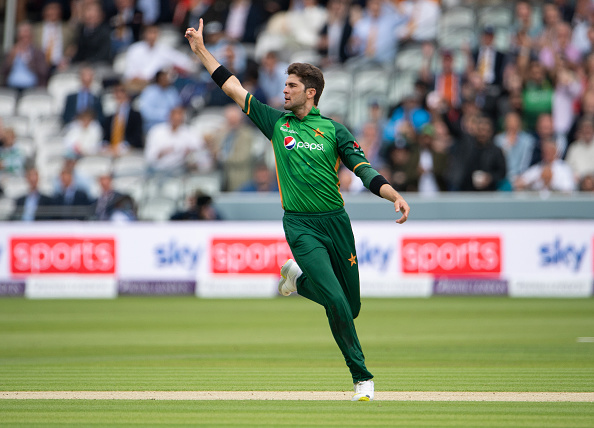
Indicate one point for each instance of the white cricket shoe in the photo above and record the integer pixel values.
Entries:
(289, 274)
(363, 391)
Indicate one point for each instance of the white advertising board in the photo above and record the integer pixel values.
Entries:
(242, 259)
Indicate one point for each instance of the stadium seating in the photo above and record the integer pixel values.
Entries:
(8, 100)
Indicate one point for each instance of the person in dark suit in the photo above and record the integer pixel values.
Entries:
(123, 129)
(335, 49)
(488, 61)
(105, 205)
(489, 66)
(93, 37)
(72, 203)
(34, 205)
(84, 99)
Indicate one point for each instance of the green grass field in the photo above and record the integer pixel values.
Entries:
(188, 344)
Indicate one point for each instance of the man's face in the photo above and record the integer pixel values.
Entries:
(52, 12)
(177, 117)
(295, 93)
(105, 183)
(32, 179)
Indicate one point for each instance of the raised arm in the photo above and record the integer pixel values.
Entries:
(232, 87)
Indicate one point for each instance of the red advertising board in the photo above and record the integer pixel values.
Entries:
(248, 255)
(455, 255)
(62, 255)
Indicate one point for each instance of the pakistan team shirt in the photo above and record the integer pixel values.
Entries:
(308, 154)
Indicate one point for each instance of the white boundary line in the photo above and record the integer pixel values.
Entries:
(299, 395)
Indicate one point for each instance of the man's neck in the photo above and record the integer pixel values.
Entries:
(302, 111)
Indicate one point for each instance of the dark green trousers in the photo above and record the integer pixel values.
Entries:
(324, 248)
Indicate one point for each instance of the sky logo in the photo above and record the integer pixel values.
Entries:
(558, 254)
(373, 256)
(176, 255)
(290, 143)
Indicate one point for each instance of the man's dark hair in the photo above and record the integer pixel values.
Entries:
(310, 75)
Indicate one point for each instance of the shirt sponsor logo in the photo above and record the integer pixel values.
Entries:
(290, 143)
(66, 255)
(452, 256)
(248, 256)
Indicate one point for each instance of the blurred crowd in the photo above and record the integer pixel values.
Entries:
(517, 115)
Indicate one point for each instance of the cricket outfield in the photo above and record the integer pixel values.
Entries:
(455, 361)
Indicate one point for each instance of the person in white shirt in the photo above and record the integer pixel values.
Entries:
(550, 175)
(580, 155)
(84, 136)
(423, 18)
(172, 147)
(145, 58)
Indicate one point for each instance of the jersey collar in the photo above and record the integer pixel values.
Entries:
(313, 112)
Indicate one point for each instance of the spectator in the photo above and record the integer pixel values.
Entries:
(157, 100)
(489, 64)
(12, 160)
(81, 180)
(410, 112)
(298, 28)
(34, 205)
(125, 25)
(201, 207)
(587, 184)
(369, 139)
(524, 22)
(93, 42)
(263, 180)
(169, 146)
(549, 175)
(53, 36)
(123, 130)
(485, 168)
(105, 205)
(146, 57)
(398, 160)
(428, 167)
(580, 155)
(73, 203)
(84, 135)
(582, 21)
(124, 210)
(423, 19)
(567, 92)
(559, 48)
(232, 53)
(448, 84)
(335, 35)
(537, 95)
(235, 149)
(243, 20)
(488, 61)
(374, 32)
(84, 99)
(24, 66)
(517, 146)
(272, 77)
(546, 131)
(152, 10)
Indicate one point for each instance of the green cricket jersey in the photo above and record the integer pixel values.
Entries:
(308, 154)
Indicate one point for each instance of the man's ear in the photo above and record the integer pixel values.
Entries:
(310, 92)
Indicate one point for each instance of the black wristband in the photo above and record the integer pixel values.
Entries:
(376, 183)
(221, 75)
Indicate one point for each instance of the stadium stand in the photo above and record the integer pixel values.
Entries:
(34, 114)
